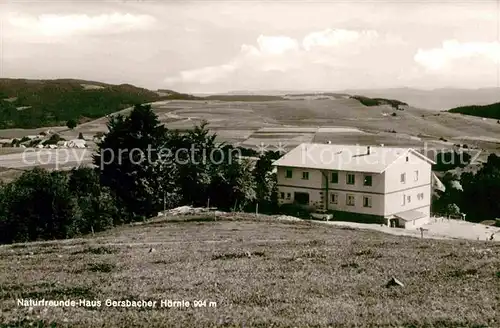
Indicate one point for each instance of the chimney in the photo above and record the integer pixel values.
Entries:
(368, 150)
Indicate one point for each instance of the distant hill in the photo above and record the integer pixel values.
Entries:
(437, 99)
(170, 94)
(246, 97)
(489, 111)
(37, 103)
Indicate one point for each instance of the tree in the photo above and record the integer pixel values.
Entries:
(481, 191)
(452, 209)
(71, 124)
(130, 162)
(196, 155)
(232, 184)
(96, 203)
(266, 181)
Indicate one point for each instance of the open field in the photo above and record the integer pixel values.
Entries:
(282, 125)
(337, 120)
(255, 273)
(47, 158)
(19, 133)
(8, 175)
(10, 150)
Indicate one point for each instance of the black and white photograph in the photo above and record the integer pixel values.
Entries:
(250, 163)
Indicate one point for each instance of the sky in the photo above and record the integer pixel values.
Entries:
(218, 46)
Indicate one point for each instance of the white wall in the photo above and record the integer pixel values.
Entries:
(376, 187)
(377, 202)
(394, 171)
(316, 184)
(393, 202)
(315, 177)
(396, 190)
(317, 180)
(386, 191)
(414, 224)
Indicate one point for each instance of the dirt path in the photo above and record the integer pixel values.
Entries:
(438, 228)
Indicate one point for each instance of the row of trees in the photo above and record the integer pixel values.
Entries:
(141, 167)
(48, 205)
(475, 194)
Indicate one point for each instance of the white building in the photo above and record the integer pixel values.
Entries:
(372, 184)
(77, 143)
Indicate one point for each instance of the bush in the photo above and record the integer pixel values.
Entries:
(54, 205)
(38, 205)
(53, 140)
(71, 124)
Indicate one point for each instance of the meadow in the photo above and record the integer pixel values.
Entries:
(284, 124)
(257, 272)
(308, 120)
(296, 121)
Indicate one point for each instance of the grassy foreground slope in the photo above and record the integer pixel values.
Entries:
(489, 111)
(259, 272)
(37, 103)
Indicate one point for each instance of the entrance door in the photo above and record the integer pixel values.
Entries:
(301, 198)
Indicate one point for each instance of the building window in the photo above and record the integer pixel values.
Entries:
(335, 177)
(305, 175)
(334, 198)
(408, 199)
(407, 159)
(367, 201)
(367, 181)
(416, 175)
(350, 179)
(288, 196)
(403, 177)
(350, 200)
(404, 200)
(420, 196)
(282, 195)
(288, 174)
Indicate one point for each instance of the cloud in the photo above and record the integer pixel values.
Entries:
(204, 75)
(333, 38)
(452, 50)
(52, 25)
(276, 45)
(283, 57)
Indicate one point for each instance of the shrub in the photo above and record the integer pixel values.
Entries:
(71, 124)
